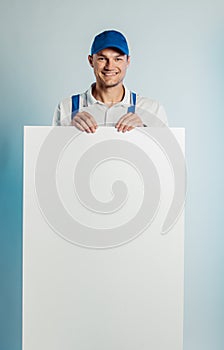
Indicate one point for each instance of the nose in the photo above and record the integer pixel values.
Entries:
(109, 64)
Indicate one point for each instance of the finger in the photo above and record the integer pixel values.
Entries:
(81, 124)
(131, 120)
(134, 122)
(126, 128)
(78, 126)
(122, 127)
(122, 119)
(88, 118)
(128, 121)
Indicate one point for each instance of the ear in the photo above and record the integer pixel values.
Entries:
(90, 59)
(129, 60)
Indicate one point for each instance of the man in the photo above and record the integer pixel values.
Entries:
(108, 101)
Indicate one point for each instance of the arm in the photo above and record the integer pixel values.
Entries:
(57, 117)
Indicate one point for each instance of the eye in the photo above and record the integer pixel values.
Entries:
(119, 59)
(101, 58)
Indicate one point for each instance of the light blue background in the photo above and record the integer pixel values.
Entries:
(177, 53)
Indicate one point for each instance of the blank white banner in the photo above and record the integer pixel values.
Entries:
(103, 239)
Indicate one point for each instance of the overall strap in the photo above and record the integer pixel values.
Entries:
(131, 109)
(75, 105)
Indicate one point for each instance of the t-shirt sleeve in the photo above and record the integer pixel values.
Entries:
(57, 116)
(162, 114)
(151, 112)
(62, 113)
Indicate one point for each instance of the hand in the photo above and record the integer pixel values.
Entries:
(84, 122)
(128, 122)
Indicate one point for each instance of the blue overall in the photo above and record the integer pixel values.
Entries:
(76, 98)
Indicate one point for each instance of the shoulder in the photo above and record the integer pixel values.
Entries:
(62, 114)
(65, 105)
(64, 101)
(152, 106)
(67, 100)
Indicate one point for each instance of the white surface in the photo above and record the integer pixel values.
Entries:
(126, 297)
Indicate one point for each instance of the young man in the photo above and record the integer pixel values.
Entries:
(108, 101)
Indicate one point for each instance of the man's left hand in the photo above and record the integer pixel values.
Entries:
(128, 122)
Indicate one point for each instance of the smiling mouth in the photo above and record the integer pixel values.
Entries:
(110, 74)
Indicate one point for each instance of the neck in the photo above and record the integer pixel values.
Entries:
(108, 95)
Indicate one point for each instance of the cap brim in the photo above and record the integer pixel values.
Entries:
(112, 45)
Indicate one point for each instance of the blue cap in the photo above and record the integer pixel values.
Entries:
(110, 38)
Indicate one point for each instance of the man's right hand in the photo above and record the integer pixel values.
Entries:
(84, 122)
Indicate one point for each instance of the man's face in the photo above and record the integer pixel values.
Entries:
(109, 67)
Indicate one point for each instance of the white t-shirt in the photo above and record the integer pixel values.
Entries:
(150, 111)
